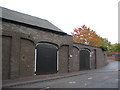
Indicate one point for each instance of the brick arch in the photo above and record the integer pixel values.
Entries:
(51, 43)
(20, 54)
(86, 49)
(85, 59)
(19, 35)
(31, 40)
(76, 47)
(75, 58)
(63, 45)
(27, 54)
(63, 58)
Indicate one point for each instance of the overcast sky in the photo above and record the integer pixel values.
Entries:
(100, 15)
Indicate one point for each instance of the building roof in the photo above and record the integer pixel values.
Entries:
(87, 45)
(28, 19)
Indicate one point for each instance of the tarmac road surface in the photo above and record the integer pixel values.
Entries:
(106, 77)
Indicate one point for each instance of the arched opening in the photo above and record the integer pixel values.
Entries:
(75, 59)
(95, 59)
(63, 59)
(46, 59)
(84, 59)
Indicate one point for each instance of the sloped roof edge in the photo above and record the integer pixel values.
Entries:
(28, 19)
(87, 45)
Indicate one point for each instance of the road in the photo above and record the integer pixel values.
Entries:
(106, 77)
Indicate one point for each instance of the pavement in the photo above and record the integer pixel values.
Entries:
(39, 78)
(111, 68)
(91, 80)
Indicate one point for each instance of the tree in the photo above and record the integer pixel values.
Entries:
(106, 45)
(87, 36)
(115, 47)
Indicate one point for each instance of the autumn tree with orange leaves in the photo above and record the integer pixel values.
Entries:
(87, 36)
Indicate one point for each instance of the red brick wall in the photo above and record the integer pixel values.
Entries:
(113, 56)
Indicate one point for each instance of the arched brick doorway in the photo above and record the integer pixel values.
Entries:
(84, 59)
(46, 58)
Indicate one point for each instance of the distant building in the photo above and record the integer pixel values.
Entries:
(113, 56)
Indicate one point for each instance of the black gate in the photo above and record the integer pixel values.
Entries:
(84, 60)
(46, 59)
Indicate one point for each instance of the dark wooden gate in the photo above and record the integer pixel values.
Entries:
(84, 60)
(46, 59)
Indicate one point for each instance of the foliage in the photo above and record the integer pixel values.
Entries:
(87, 36)
(115, 47)
(105, 44)
(104, 48)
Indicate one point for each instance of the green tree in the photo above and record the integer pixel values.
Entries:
(106, 45)
(115, 48)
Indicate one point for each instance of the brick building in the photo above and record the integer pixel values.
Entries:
(113, 56)
(31, 45)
